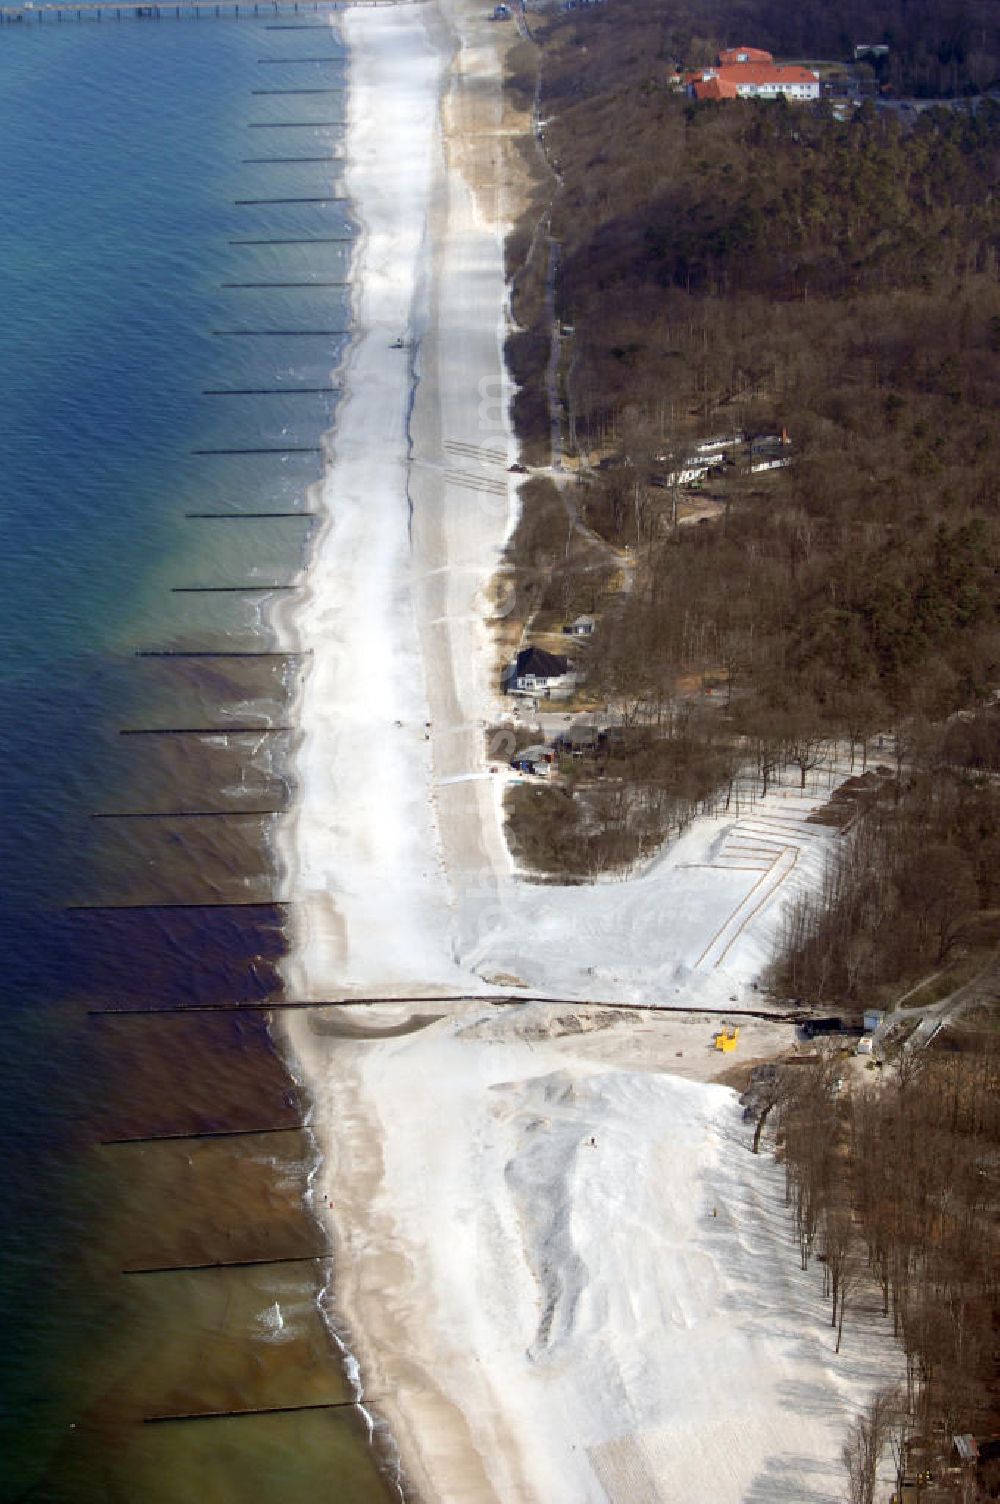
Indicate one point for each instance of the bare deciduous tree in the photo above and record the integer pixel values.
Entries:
(866, 1442)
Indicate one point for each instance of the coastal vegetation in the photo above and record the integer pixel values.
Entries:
(915, 888)
(746, 268)
(828, 277)
(893, 1191)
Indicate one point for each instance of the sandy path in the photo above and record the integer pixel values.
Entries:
(361, 850)
(463, 508)
(394, 618)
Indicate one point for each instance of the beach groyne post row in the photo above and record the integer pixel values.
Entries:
(168, 699)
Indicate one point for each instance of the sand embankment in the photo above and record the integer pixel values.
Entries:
(572, 1281)
(562, 1273)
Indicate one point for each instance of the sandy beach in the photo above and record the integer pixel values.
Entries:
(562, 1273)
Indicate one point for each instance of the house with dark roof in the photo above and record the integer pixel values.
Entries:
(582, 738)
(536, 672)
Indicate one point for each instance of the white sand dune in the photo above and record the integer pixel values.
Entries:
(591, 1271)
(564, 1276)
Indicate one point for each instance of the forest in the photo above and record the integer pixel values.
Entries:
(828, 276)
(893, 1190)
(751, 267)
(937, 48)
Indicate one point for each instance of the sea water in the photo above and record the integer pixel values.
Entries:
(139, 180)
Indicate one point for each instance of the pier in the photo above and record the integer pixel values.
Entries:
(189, 10)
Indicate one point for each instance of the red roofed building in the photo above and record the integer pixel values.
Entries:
(714, 88)
(755, 81)
(743, 55)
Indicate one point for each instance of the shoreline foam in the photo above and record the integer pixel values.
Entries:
(392, 276)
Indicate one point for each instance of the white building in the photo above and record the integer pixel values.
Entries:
(536, 672)
(756, 81)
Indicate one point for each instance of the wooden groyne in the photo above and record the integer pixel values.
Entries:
(227, 589)
(165, 906)
(257, 203)
(159, 1420)
(190, 10)
(500, 1000)
(267, 391)
(291, 1258)
(274, 449)
(206, 730)
(260, 161)
(243, 516)
(269, 285)
(213, 1133)
(280, 333)
(292, 125)
(299, 240)
(183, 814)
(223, 653)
